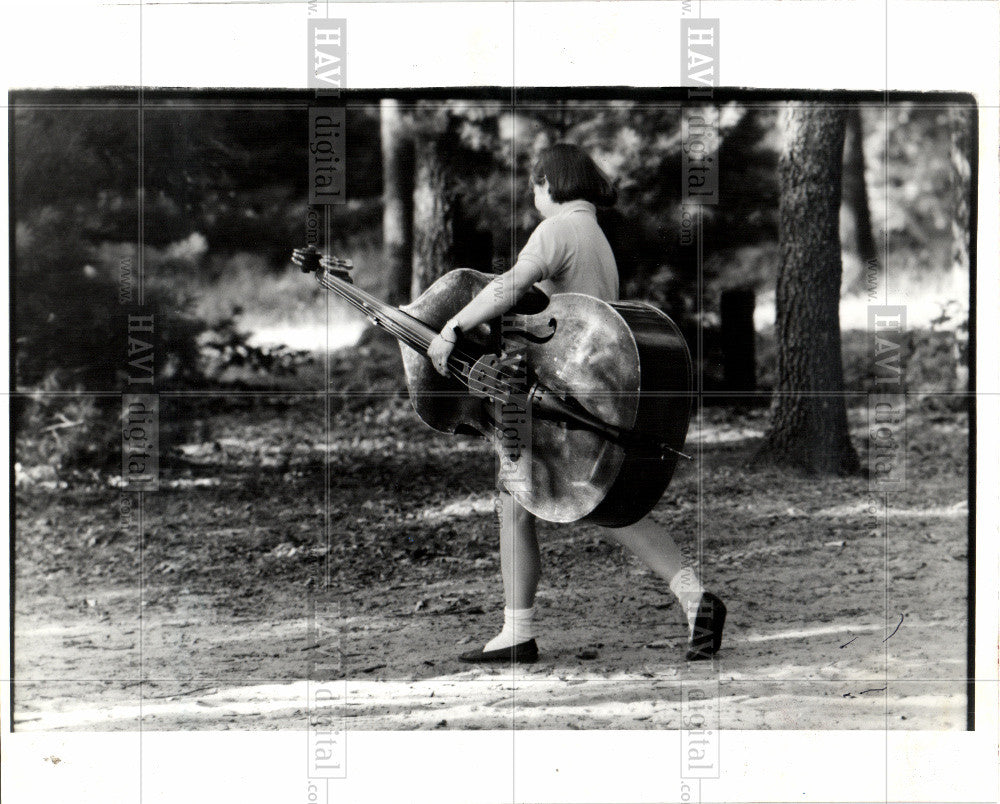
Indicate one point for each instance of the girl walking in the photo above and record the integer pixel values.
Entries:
(568, 253)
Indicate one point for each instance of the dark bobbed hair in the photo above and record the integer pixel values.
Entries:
(572, 175)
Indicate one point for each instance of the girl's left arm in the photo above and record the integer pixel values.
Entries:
(492, 301)
(496, 298)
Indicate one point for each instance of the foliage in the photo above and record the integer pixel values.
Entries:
(927, 358)
(70, 155)
(909, 149)
(72, 312)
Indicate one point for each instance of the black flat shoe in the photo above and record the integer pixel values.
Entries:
(707, 637)
(521, 652)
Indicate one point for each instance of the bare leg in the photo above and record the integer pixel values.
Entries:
(652, 544)
(706, 614)
(520, 562)
(520, 568)
(656, 548)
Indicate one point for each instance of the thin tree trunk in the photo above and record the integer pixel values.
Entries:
(962, 119)
(433, 212)
(808, 426)
(738, 343)
(855, 195)
(397, 202)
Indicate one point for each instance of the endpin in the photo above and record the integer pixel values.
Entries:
(675, 451)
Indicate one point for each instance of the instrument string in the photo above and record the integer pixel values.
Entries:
(407, 333)
(501, 381)
(495, 378)
(412, 337)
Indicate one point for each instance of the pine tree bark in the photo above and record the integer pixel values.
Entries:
(433, 212)
(397, 201)
(855, 189)
(808, 428)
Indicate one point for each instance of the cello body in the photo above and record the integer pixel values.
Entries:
(623, 363)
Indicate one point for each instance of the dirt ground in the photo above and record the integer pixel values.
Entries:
(260, 564)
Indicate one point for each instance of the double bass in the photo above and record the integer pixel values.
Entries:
(587, 402)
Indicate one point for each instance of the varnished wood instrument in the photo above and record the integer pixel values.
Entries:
(587, 402)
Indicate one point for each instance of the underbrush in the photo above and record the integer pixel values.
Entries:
(928, 359)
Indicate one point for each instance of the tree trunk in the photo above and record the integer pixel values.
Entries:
(738, 344)
(808, 426)
(962, 121)
(855, 194)
(433, 212)
(471, 247)
(397, 202)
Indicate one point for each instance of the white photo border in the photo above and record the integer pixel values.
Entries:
(913, 45)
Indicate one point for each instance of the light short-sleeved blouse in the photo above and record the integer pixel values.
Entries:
(573, 254)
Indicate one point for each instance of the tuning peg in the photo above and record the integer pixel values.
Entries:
(308, 259)
(337, 264)
(338, 267)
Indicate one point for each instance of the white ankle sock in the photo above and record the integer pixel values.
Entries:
(688, 590)
(517, 628)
